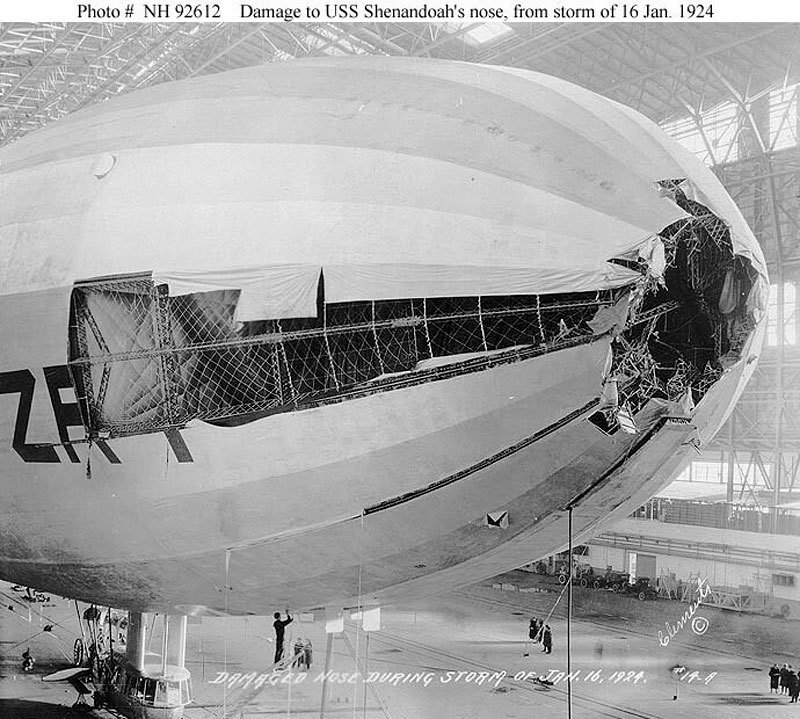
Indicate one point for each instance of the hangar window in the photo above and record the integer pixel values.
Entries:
(173, 695)
(150, 691)
(486, 33)
(783, 580)
(710, 134)
(161, 694)
(789, 307)
(784, 118)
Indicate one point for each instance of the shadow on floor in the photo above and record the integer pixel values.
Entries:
(752, 699)
(27, 709)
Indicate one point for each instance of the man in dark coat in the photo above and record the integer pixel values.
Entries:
(280, 629)
(783, 678)
(793, 684)
(774, 676)
(547, 639)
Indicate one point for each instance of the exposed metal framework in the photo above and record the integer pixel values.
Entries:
(711, 81)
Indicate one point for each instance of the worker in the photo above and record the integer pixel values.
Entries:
(533, 628)
(302, 653)
(27, 660)
(280, 629)
(299, 654)
(774, 675)
(793, 684)
(547, 639)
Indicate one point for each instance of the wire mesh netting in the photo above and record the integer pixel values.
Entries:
(144, 361)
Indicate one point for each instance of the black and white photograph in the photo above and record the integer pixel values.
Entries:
(415, 361)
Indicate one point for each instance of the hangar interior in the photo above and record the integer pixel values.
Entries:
(729, 93)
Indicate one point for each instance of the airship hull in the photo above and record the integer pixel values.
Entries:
(406, 518)
(341, 332)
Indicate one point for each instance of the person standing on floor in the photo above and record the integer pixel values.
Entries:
(774, 676)
(280, 629)
(794, 685)
(539, 630)
(547, 639)
(783, 678)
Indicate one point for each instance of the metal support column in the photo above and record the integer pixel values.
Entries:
(134, 646)
(176, 640)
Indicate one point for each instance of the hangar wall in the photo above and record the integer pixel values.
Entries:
(772, 571)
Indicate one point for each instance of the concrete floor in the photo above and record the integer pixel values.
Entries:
(441, 658)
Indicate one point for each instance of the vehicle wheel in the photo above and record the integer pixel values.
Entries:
(584, 582)
(642, 596)
(78, 652)
(616, 588)
(597, 584)
(785, 610)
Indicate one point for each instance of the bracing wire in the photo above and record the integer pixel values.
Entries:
(225, 634)
(360, 609)
(569, 616)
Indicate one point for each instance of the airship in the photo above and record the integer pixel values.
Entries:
(341, 332)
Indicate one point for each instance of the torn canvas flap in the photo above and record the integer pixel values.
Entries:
(731, 289)
(686, 402)
(611, 319)
(266, 292)
(652, 253)
(625, 419)
(609, 363)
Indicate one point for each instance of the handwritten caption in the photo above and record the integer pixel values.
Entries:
(426, 678)
(698, 624)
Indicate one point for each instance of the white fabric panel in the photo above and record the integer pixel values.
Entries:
(372, 619)
(334, 620)
(165, 208)
(348, 283)
(336, 162)
(270, 292)
(522, 126)
(189, 220)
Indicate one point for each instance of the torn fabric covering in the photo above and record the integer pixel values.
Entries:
(290, 291)
(350, 283)
(652, 252)
(268, 292)
(703, 186)
(611, 319)
(729, 297)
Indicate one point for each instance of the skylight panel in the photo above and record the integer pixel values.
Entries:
(486, 33)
